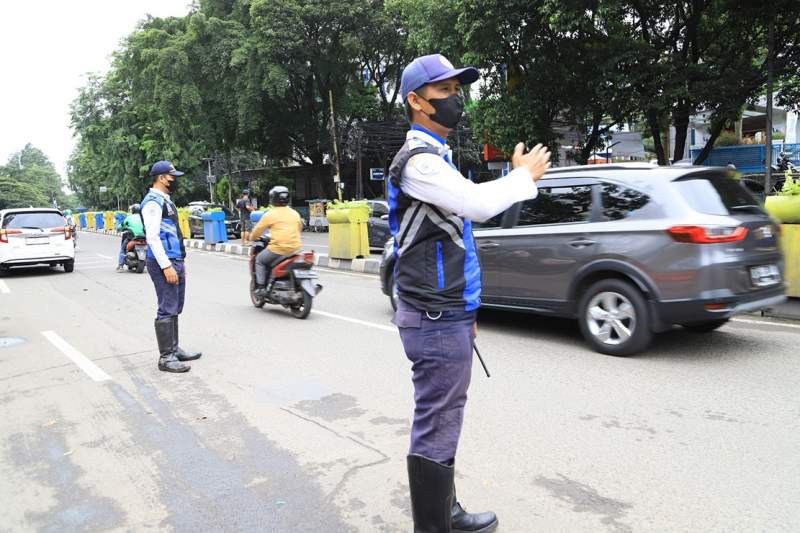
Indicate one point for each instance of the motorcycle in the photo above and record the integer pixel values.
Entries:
(784, 168)
(293, 284)
(136, 254)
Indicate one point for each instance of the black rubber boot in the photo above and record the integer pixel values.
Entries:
(180, 353)
(431, 487)
(167, 343)
(462, 521)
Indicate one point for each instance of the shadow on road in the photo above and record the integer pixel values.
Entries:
(676, 344)
(31, 272)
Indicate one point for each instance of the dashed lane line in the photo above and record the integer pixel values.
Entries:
(4, 289)
(83, 362)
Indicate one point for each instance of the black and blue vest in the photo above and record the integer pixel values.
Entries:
(170, 231)
(436, 265)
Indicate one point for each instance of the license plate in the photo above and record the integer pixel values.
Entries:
(764, 276)
(304, 274)
(37, 240)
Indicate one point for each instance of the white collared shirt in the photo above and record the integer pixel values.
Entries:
(430, 179)
(151, 216)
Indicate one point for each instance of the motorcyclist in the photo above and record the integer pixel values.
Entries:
(285, 226)
(70, 222)
(131, 228)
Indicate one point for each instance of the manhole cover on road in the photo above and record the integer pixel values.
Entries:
(6, 342)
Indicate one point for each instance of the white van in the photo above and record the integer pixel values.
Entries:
(35, 236)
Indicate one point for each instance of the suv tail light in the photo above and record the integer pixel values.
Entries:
(4, 233)
(707, 234)
(65, 230)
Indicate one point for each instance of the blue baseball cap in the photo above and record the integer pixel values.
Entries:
(431, 68)
(164, 167)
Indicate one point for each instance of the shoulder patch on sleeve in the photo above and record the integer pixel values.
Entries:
(424, 163)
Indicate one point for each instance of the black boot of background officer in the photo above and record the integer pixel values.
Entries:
(182, 354)
(166, 329)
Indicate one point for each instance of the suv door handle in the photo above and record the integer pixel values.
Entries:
(487, 245)
(582, 243)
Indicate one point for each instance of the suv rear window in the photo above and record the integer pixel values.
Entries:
(44, 219)
(621, 202)
(714, 195)
(557, 205)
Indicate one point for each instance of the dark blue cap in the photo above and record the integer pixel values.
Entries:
(164, 167)
(435, 67)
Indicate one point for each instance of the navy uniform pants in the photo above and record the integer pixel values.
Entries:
(170, 297)
(439, 347)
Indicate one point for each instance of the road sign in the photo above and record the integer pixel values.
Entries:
(103, 188)
(211, 179)
(376, 174)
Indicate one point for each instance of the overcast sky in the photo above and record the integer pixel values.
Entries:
(46, 49)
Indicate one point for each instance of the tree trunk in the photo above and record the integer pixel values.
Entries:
(655, 129)
(591, 141)
(716, 129)
(681, 120)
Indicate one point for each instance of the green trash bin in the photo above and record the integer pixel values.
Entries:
(348, 236)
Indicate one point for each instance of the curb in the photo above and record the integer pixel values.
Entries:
(364, 266)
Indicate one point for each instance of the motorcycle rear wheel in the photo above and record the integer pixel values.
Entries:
(140, 267)
(257, 302)
(302, 311)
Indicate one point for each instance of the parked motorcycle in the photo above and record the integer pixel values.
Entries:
(136, 254)
(293, 286)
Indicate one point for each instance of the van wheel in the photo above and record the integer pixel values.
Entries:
(614, 318)
(69, 266)
(705, 327)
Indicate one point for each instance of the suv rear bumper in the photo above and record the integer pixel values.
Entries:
(37, 261)
(694, 311)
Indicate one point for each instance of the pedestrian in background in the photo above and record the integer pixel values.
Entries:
(245, 207)
(165, 264)
(439, 280)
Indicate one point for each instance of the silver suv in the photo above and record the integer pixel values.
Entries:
(630, 250)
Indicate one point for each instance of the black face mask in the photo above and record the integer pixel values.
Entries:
(448, 110)
(172, 186)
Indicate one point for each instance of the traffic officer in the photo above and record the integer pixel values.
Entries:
(439, 280)
(165, 256)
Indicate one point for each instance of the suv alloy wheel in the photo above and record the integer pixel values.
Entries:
(614, 318)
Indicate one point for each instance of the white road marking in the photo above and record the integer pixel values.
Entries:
(4, 288)
(92, 370)
(344, 273)
(392, 329)
(105, 256)
(765, 323)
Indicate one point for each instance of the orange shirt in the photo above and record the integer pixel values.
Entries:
(285, 226)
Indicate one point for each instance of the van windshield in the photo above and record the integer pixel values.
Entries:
(716, 195)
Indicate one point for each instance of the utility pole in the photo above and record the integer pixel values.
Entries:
(337, 176)
(209, 179)
(359, 183)
(770, 83)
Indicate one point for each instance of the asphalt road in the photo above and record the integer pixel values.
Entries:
(290, 425)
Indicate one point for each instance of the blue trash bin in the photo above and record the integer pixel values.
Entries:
(82, 220)
(214, 227)
(255, 216)
(98, 221)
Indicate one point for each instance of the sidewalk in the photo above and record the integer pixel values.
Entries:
(367, 266)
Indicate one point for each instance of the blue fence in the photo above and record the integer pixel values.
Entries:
(748, 157)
